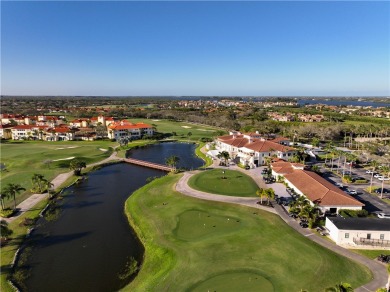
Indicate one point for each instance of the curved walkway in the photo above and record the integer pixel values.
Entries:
(378, 270)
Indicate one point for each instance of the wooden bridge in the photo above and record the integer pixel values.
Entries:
(148, 164)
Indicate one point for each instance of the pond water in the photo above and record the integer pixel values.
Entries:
(159, 152)
(86, 244)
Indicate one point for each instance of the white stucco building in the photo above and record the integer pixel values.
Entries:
(362, 233)
(253, 148)
(126, 129)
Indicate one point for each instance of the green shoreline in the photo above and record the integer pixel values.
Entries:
(20, 232)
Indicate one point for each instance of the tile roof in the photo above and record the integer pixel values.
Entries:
(128, 126)
(258, 145)
(319, 190)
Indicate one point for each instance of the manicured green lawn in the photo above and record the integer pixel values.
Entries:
(181, 128)
(23, 159)
(184, 251)
(372, 254)
(232, 183)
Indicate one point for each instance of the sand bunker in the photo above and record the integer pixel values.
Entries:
(187, 127)
(68, 158)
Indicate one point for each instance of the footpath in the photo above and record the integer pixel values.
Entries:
(34, 199)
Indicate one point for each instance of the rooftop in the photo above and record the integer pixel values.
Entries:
(375, 224)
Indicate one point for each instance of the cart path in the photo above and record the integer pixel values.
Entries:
(379, 271)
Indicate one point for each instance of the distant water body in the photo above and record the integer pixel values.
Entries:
(343, 102)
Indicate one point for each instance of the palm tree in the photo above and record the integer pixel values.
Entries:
(13, 189)
(4, 230)
(76, 165)
(224, 155)
(270, 194)
(374, 165)
(260, 193)
(38, 182)
(3, 196)
(172, 161)
(384, 171)
(342, 287)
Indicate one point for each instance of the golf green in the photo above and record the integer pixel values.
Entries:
(224, 182)
(235, 281)
(198, 225)
(184, 252)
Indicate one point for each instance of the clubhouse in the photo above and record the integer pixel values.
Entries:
(253, 149)
(319, 191)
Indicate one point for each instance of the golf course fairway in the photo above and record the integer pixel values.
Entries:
(254, 248)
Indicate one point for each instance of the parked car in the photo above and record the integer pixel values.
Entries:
(385, 178)
(376, 175)
(340, 185)
(384, 216)
(369, 171)
(352, 192)
(379, 191)
(303, 224)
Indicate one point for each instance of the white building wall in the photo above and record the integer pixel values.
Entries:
(345, 237)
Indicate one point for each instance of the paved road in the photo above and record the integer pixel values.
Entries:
(378, 270)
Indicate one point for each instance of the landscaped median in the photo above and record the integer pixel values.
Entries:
(198, 245)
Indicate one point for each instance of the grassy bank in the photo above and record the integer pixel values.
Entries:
(207, 160)
(24, 158)
(8, 251)
(229, 183)
(371, 254)
(195, 244)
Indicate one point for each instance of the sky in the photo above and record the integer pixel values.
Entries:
(128, 48)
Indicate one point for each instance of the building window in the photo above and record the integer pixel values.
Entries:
(382, 236)
(346, 235)
(368, 235)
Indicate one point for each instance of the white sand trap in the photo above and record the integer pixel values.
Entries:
(187, 127)
(204, 130)
(68, 158)
(102, 149)
(155, 120)
(70, 147)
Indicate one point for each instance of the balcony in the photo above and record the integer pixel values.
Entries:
(372, 242)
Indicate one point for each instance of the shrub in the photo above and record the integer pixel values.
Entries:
(353, 213)
(361, 181)
(6, 213)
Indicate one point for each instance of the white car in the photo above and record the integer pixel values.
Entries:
(383, 178)
(369, 171)
(377, 175)
(352, 192)
(384, 216)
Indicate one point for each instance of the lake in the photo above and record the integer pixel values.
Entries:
(85, 245)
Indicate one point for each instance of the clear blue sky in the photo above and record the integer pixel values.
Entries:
(195, 48)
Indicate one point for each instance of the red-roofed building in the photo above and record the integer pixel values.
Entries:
(252, 149)
(126, 129)
(315, 188)
(62, 133)
(24, 132)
